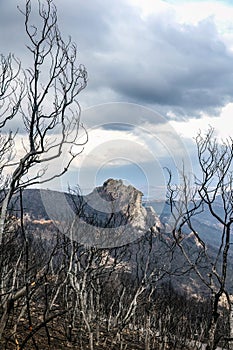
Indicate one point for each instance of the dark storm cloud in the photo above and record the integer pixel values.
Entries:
(155, 61)
(183, 67)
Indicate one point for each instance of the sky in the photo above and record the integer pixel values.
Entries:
(158, 72)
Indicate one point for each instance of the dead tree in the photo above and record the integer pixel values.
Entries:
(214, 190)
(43, 100)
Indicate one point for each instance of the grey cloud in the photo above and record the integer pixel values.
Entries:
(176, 66)
(12, 29)
(161, 63)
(118, 126)
(87, 22)
(155, 62)
(120, 116)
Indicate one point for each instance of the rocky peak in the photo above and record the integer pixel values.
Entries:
(114, 196)
(119, 211)
(117, 187)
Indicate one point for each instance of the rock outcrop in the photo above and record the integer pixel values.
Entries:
(113, 215)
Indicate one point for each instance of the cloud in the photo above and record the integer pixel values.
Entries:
(176, 66)
(190, 128)
(172, 58)
(158, 60)
(155, 61)
(120, 115)
(12, 28)
(116, 144)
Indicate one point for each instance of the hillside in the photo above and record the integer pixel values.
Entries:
(110, 206)
(102, 271)
(205, 224)
(114, 216)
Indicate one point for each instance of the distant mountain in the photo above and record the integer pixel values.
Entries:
(205, 224)
(111, 206)
(114, 218)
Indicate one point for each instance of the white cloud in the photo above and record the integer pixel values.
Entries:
(191, 13)
(222, 124)
(148, 7)
(113, 148)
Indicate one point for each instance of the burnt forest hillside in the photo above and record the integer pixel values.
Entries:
(103, 271)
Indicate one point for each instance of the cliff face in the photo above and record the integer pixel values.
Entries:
(113, 215)
(116, 198)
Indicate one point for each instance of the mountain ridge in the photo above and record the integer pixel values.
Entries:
(112, 217)
(109, 205)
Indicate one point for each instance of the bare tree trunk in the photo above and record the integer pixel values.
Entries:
(3, 321)
(211, 338)
(3, 214)
(147, 338)
(231, 323)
